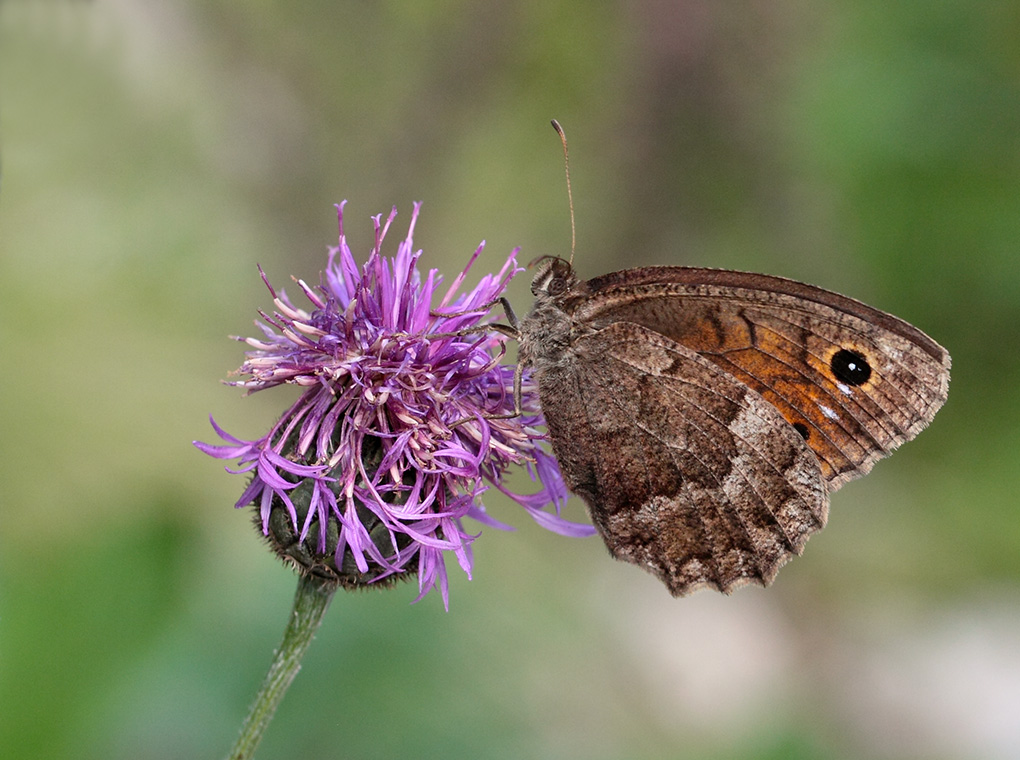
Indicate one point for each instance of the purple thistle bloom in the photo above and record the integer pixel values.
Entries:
(368, 475)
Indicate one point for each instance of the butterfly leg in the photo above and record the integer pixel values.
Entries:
(511, 330)
(508, 310)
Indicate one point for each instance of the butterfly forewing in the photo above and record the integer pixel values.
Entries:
(854, 381)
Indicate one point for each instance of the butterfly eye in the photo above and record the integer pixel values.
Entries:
(553, 278)
(557, 285)
(850, 367)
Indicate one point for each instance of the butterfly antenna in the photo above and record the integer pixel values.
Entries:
(570, 195)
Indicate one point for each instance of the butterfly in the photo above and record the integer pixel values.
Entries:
(706, 415)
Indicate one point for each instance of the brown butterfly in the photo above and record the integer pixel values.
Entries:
(705, 415)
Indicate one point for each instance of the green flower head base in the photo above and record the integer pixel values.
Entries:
(369, 475)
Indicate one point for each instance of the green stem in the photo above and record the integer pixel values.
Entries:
(310, 603)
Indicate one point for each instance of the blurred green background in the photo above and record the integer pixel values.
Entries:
(153, 153)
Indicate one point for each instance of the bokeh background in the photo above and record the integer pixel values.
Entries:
(154, 152)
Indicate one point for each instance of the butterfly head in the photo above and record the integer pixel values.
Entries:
(553, 276)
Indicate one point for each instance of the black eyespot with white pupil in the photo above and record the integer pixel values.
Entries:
(850, 367)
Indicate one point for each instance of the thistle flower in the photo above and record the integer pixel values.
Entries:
(369, 475)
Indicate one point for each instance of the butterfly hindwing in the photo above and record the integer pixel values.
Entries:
(686, 471)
